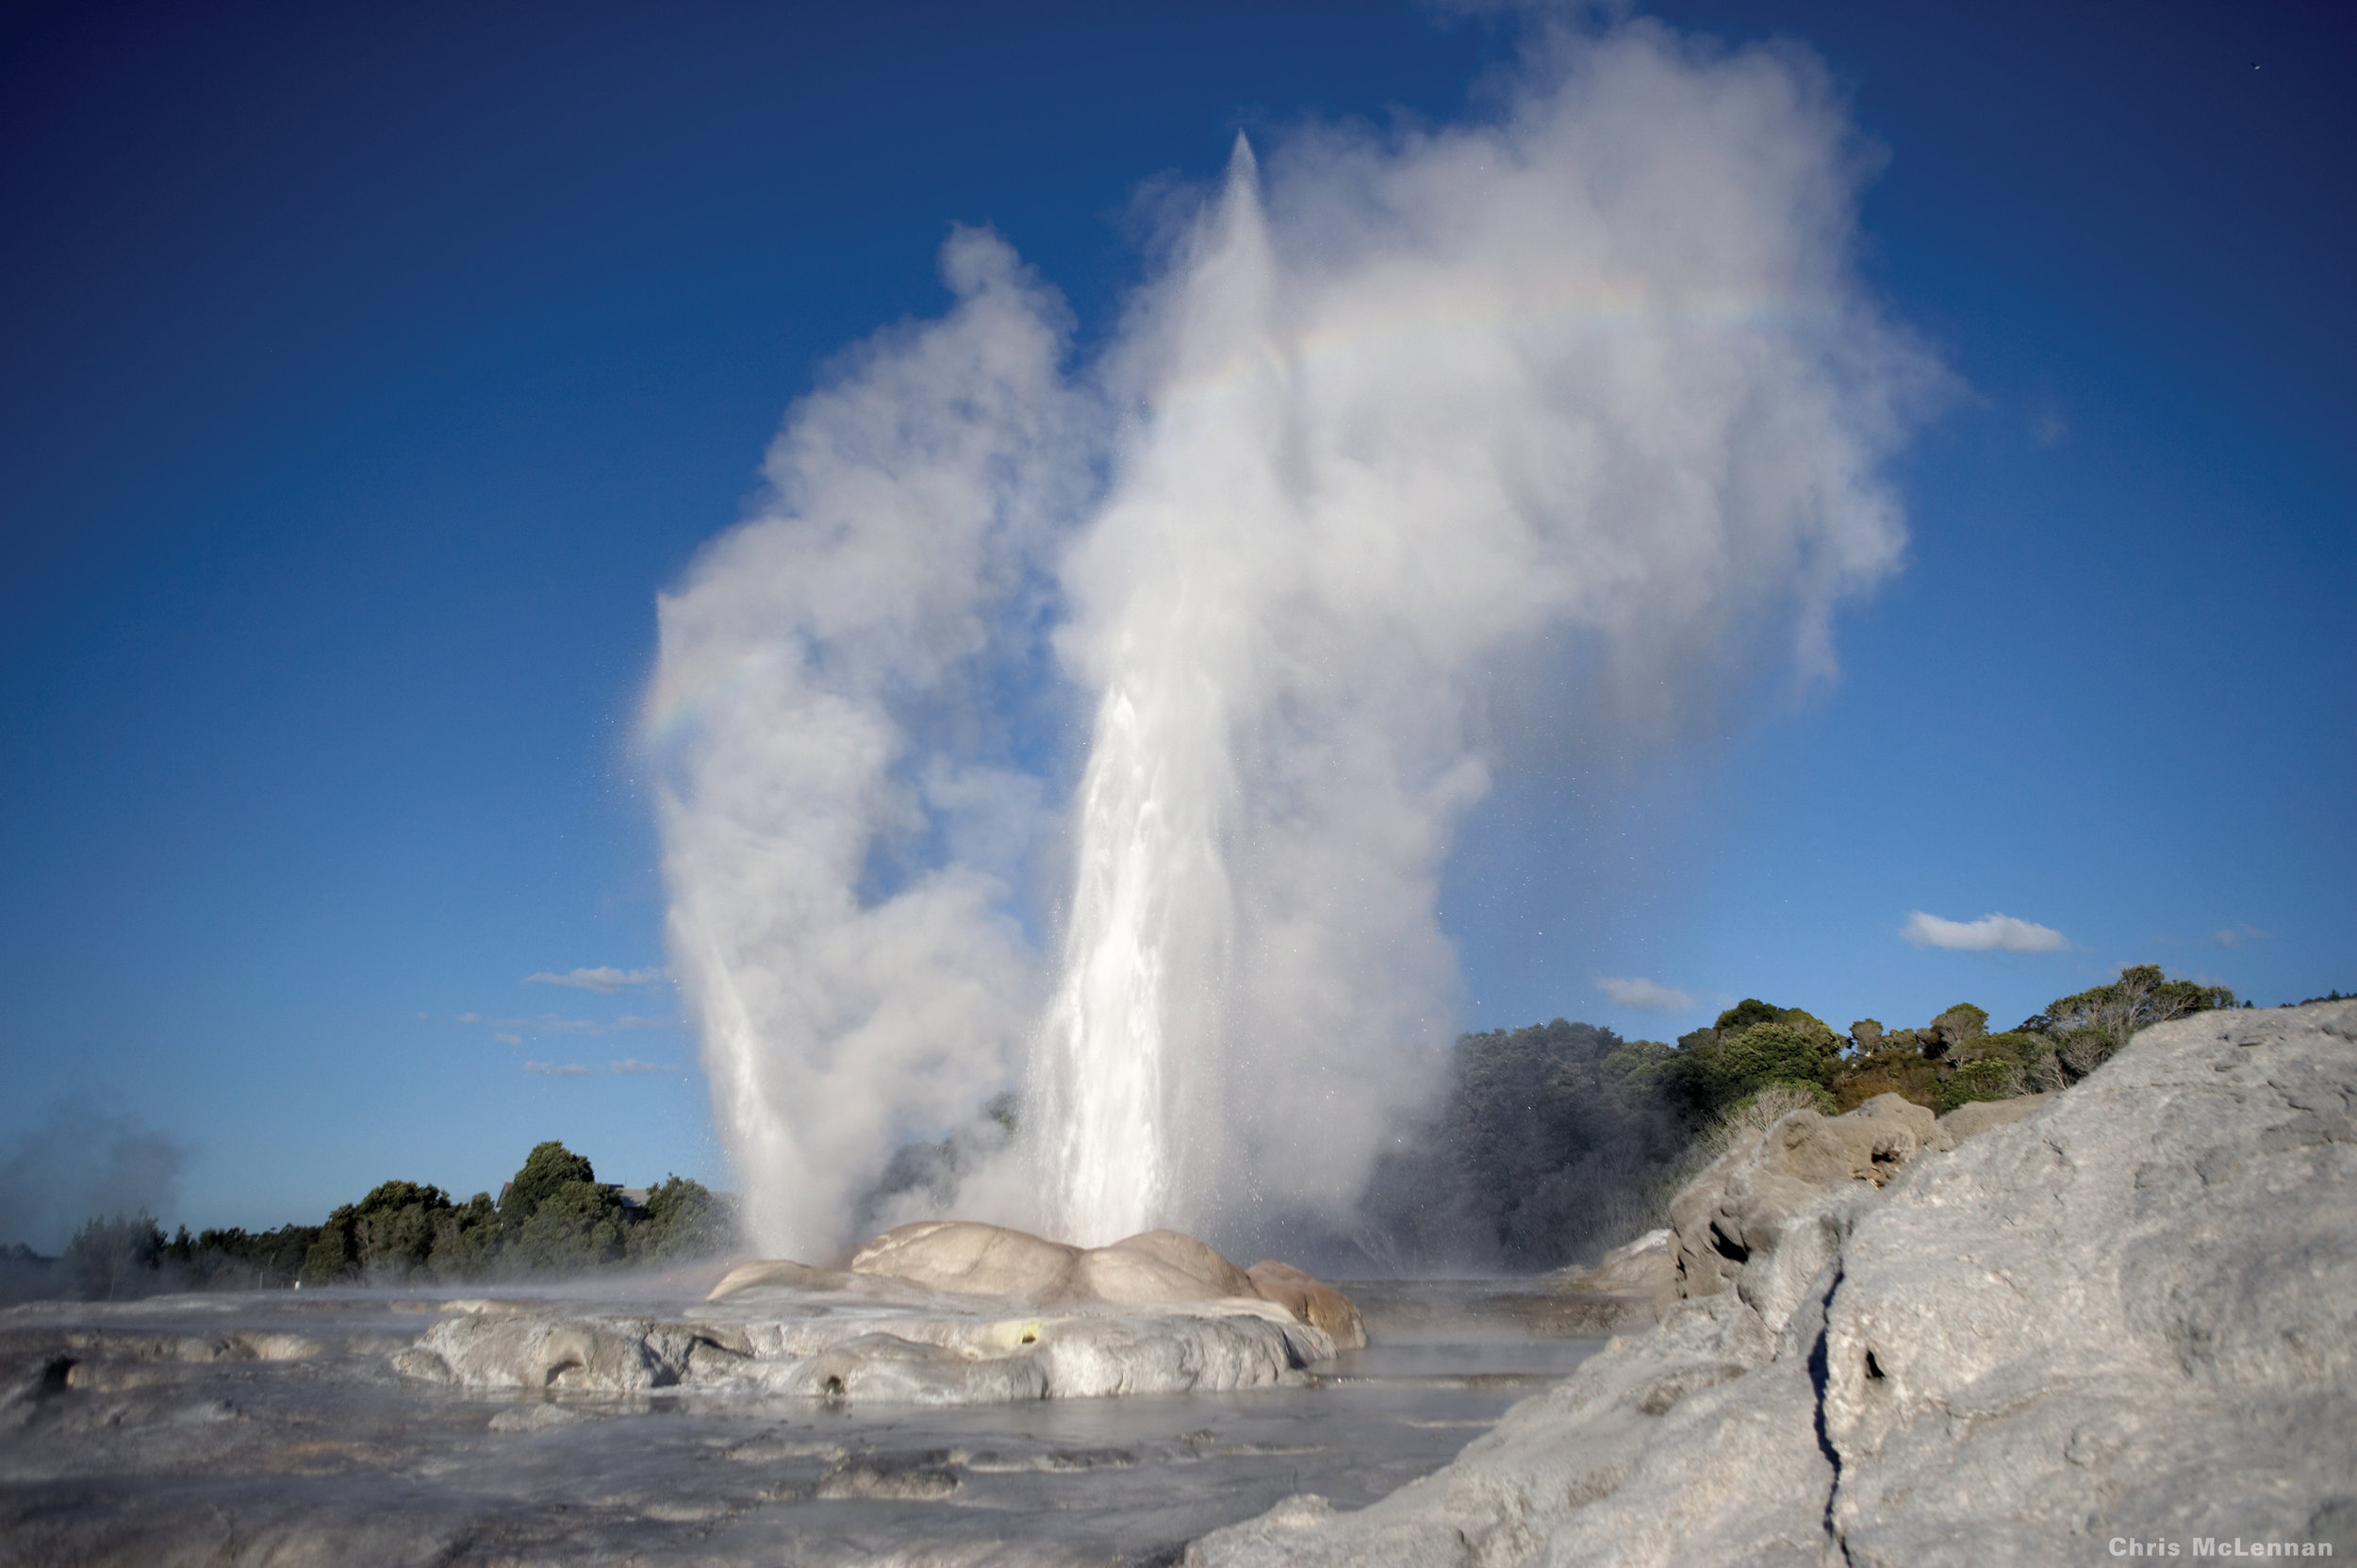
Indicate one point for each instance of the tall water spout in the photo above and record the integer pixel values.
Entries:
(1418, 455)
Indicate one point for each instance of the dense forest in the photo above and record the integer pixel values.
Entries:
(554, 1218)
(1559, 1140)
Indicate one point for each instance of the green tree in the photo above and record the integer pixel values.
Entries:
(1984, 1078)
(1801, 1052)
(577, 1226)
(1550, 1136)
(235, 1259)
(1743, 1015)
(2091, 1026)
(466, 1239)
(1954, 1027)
(548, 1168)
(393, 1228)
(683, 1220)
(2035, 1067)
(383, 1239)
(1753, 1045)
(328, 1259)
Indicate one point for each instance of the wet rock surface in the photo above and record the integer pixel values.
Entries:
(1312, 1301)
(846, 1423)
(2127, 1316)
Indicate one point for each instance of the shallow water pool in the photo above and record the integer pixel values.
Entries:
(160, 1432)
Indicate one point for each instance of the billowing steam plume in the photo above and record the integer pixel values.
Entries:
(1571, 414)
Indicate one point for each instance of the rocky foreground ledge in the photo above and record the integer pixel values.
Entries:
(922, 1407)
(2123, 1325)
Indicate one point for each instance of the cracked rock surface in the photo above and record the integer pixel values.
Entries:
(2129, 1315)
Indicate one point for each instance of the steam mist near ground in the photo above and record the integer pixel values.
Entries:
(1098, 726)
(85, 1163)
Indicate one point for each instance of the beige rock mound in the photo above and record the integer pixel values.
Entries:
(1313, 1301)
(1629, 1288)
(1157, 1265)
(764, 1273)
(1763, 1217)
(1982, 1114)
(971, 1258)
(1647, 1266)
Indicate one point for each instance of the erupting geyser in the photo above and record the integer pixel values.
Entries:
(1582, 398)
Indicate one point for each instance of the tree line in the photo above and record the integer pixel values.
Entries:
(554, 1218)
(1551, 1142)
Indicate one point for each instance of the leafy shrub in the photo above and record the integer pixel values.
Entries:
(1986, 1078)
(2090, 1026)
(1779, 1053)
(2033, 1054)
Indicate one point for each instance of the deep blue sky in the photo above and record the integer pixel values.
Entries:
(364, 371)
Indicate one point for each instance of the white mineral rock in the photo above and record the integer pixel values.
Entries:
(2130, 1315)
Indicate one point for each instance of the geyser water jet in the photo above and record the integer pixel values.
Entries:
(1581, 399)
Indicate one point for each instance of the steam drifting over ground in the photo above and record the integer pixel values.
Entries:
(85, 1162)
(1571, 414)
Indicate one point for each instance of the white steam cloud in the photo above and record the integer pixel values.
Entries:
(1564, 422)
(1989, 933)
(606, 979)
(83, 1162)
(1645, 995)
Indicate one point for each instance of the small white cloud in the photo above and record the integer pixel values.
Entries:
(1989, 933)
(608, 979)
(1646, 995)
(2230, 937)
(470, 1018)
(509, 1039)
(632, 1065)
(556, 1023)
(556, 1069)
(550, 1023)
